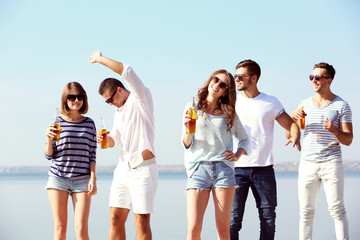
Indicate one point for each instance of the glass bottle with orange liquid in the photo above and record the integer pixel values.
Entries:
(302, 120)
(56, 124)
(191, 126)
(104, 143)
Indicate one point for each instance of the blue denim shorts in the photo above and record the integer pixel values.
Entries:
(212, 174)
(68, 185)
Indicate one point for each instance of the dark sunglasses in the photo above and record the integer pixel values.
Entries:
(239, 76)
(72, 97)
(317, 77)
(110, 100)
(215, 79)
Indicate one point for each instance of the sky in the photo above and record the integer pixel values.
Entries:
(173, 47)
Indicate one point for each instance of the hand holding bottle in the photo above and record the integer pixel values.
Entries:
(190, 119)
(101, 135)
(302, 119)
(51, 132)
(299, 116)
(55, 126)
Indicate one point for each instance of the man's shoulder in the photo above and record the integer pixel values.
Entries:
(261, 103)
(269, 100)
(340, 103)
(261, 97)
(340, 100)
(268, 97)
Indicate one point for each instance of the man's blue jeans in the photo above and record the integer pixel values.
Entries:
(262, 182)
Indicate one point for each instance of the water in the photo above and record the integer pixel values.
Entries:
(25, 211)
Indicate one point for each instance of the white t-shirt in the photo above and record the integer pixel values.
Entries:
(257, 116)
(133, 126)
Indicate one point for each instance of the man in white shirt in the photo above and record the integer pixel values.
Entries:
(257, 112)
(136, 175)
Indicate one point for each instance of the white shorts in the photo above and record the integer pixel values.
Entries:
(134, 187)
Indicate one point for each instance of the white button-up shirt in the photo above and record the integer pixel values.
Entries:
(133, 126)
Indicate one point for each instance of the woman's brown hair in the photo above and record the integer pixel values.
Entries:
(226, 103)
(64, 109)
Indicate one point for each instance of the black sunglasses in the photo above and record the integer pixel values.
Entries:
(110, 100)
(317, 77)
(240, 76)
(215, 79)
(72, 97)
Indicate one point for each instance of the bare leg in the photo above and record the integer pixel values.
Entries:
(118, 218)
(58, 201)
(197, 201)
(142, 224)
(223, 199)
(81, 203)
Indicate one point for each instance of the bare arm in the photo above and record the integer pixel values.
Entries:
(292, 130)
(136, 86)
(92, 183)
(344, 135)
(97, 57)
(49, 136)
(187, 140)
(48, 148)
(296, 115)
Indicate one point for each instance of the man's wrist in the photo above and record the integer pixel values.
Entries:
(337, 132)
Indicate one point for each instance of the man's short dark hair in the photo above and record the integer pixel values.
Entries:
(110, 84)
(329, 68)
(252, 67)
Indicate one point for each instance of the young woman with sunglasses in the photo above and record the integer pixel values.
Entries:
(73, 168)
(209, 156)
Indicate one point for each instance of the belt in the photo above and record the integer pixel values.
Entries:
(144, 163)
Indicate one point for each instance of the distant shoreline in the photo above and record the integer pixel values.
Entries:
(290, 167)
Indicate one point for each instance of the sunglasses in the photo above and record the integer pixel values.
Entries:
(240, 76)
(215, 79)
(110, 100)
(72, 97)
(317, 77)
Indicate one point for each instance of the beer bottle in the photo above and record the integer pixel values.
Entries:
(104, 143)
(191, 126)
(56, 123)
(302, 120)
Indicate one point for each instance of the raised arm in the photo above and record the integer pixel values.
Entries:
(97, 57)
(136, 86)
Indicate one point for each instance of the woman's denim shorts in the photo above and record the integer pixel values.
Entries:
(69, 185)
(212, 174)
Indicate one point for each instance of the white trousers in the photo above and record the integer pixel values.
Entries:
(311, 175)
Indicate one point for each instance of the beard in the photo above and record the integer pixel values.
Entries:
(243, 86)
